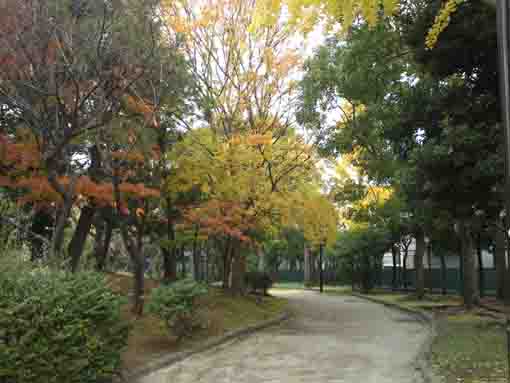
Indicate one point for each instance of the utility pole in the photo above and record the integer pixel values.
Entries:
(504, 84)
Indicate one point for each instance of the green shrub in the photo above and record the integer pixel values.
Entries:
(258, 280)
(177, 305)
(56, 327)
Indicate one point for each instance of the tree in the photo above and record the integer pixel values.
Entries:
(310, 12)
(71, 72)
(239, 196)
(243, 76)
(246, 96)
(461, 160)
(361, 248)
(370, 133)
(104, 224)
(286, 245)
(95, 89)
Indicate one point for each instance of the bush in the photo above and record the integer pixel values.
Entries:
(177, 305)
(56, 327)
(258, 280)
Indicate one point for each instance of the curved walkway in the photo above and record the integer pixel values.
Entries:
(331, 339)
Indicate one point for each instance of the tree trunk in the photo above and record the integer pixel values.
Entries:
(353, 275)
(227, 263)
(238, 270)
(104, 231)
(58, 234)
(137, 259)
(499, 261)
(40, 229)
(308, 267)
(461, 271)
(63, 212)
(293, 264)
(183, 261)
(169, 264)
(135, 253)
(206, 266)
(479, 254)
(169, 251)
(404, 268)
(429, 267)
(138, 288)
(75, 248)
(99, 225)
(507, 271)
(139, 263)
(418, 263)
(394, 268)
(314, 269)
(366, 275)
(197, 275)
(469, 270)
(261, 265)
(443, 274)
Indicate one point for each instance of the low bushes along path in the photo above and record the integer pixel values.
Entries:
(330, 339)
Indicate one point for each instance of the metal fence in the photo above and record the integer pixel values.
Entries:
(331, 277)
(433, 279)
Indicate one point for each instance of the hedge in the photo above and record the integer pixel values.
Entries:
(56, 327)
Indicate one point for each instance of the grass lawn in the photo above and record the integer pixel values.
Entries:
(149, 339)
(470, 349)
(470, 346)
(430, 302)
(330, 289)
(289, 285)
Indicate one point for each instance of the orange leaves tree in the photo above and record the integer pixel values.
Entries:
(92, 96)
(67, 72)
(136, 205)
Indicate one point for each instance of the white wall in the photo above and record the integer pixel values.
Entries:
(452, 261)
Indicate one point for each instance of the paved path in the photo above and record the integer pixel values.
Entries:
(331, 339)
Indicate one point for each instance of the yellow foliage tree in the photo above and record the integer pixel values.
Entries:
(319, 220)
(245, 76)
(304, 13)
(249, 186)
(248, 165)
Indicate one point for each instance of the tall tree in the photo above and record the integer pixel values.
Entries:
(246, 90)
(70, 71)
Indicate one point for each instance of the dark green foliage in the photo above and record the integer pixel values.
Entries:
(361, 250)
(288, 248)
(462, 156)
(177, 305)
(467, 47)
(258, 280)
(56, 327)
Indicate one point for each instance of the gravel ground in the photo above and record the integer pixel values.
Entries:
(330, 339)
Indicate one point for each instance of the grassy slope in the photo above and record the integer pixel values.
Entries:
(149, 338)
(470, 346)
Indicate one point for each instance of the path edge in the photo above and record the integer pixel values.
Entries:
(422, 361)
(168, 360)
